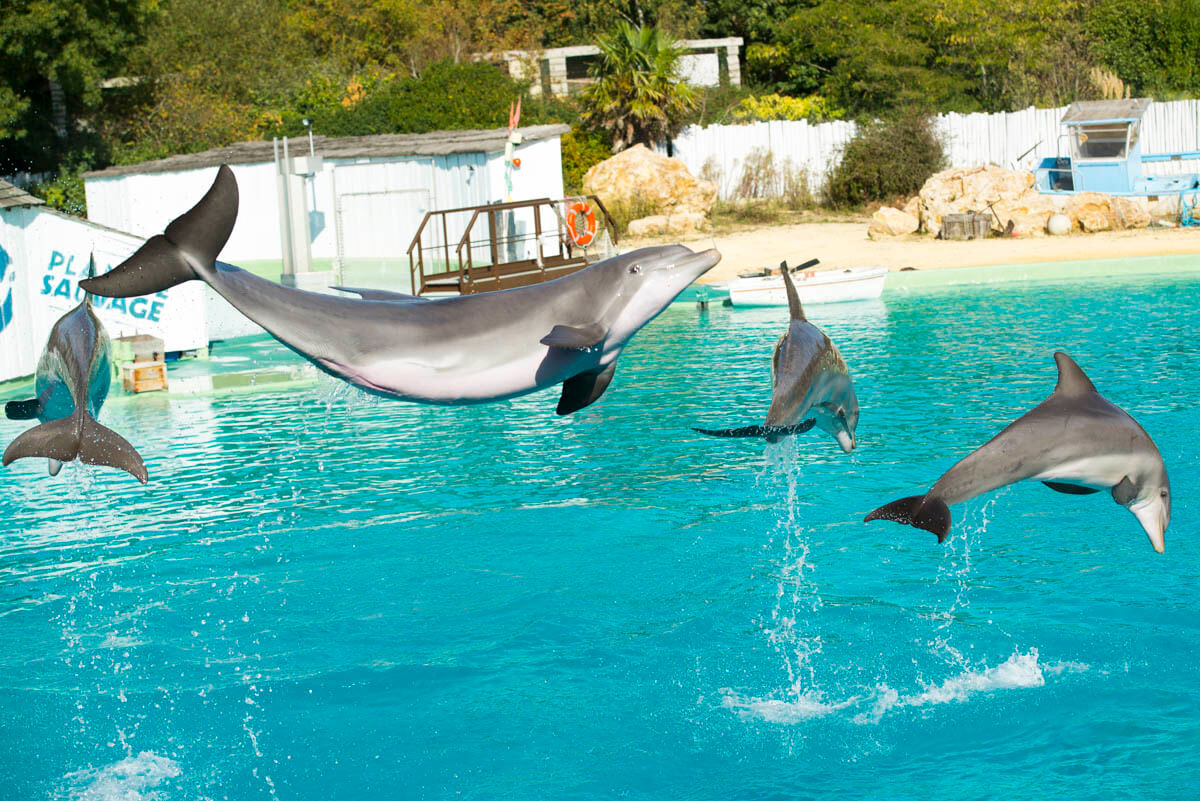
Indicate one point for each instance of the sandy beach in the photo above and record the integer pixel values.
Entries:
(846, 245)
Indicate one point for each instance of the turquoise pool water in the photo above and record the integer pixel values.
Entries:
(320, 595)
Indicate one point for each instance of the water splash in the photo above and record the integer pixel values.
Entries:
(1019, 671)
(789, 626)
(134, 778)
(954, 573)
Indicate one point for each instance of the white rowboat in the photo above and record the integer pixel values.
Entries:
(813, 286)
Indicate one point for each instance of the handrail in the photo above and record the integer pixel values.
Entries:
(466, 269)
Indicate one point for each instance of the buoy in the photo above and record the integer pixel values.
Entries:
(1058, 225)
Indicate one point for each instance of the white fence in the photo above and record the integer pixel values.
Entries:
(1017, 139)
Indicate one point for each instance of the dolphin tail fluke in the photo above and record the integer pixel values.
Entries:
(77, 437)
(57, 440)
(772, 433)
(922, 511)
(187, 248)
(103, 446)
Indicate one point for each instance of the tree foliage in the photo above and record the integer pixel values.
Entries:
(73, 43)
(638, 96)
(1152, 46)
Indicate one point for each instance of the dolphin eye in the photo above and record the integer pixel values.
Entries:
(1164, 493)
(635, 268)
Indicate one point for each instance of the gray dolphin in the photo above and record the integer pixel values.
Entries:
(1075, 442)
(73, 378)
(461, 350)
(812, 384)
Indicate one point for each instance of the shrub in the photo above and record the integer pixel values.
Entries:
(885, 159)
(813, 108)
(446, 96)
(65, 191)
(581, 150)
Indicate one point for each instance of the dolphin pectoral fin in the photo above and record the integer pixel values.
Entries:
(22, 409)
(53, 466)
(575, 338)
(580, 390)
(103, 446)
(1124, 492)
(380, 294)
(1070, 489)
(193, 238)
(921, 511)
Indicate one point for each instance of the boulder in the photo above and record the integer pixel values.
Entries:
(640, 176)
(680, 222)
(1029, 212)
(966, 189)
(891, 222)
(1091, 211)
(1130, 212)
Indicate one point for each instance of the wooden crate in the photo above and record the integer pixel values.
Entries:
(138, 348)
(144, 376)
(956, 226)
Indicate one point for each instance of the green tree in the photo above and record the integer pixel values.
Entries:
(874, 56)
(1153, 46)
(638, 96)
(47, 45)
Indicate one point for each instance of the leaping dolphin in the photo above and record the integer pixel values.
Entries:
(1075, 442)
(812, 384)
(73, 378)
(461, 350)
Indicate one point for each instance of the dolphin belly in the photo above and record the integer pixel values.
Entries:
(1101, 471)
(465, 381)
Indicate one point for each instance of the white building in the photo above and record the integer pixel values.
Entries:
(364, 196)
(564, 70)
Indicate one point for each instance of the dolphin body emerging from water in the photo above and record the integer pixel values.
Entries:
(73, 378)
(460, 350)
(1074, 442)
(812, 384)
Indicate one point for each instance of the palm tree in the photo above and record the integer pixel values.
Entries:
(638, 96)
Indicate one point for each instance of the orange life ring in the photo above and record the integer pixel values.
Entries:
(582, 238)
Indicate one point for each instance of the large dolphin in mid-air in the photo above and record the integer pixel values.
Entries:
(73, 378)
(1075, 442)
(812, 384)
(460, 350)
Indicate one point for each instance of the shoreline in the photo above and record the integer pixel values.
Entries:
(840, 245)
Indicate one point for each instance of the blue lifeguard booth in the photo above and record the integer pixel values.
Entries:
(1104, 154)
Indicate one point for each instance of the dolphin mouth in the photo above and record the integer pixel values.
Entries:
(1153, 517)
(846, 440)
(697, 264)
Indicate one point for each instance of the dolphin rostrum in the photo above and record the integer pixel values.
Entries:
(812, 384)
(1075, 442)
(459, 350)
(73, 377)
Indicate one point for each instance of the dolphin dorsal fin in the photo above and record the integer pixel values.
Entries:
(1071, 380)
(793, 299)
(91, 273)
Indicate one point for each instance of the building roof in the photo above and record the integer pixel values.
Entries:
(436, 143)
(11, 197)
(1085, 111)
